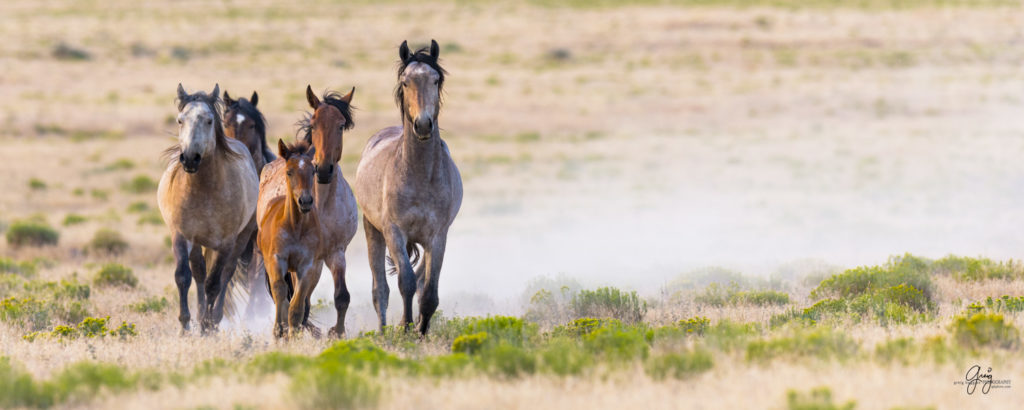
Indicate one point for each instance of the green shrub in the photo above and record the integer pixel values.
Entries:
(584, 326)
(31, 233)
(99, 194)
(19, 390)
(334, 386)
(695, 325)
(717, 295)
(887, 306)
(906, 270)
(25, 269)
(563, 357)
(985, 330)
(547, 299)
(121, 164)
(138, 206)
(469, 344)
(74, 219)
(679, 365)
(139, 185)
(818, 399)
(152, 217)
(1004, 304)
(822, 343)
(36, 184)
(89, 327)
(26, 311)
(609, 302)
(277, 362)
(617, 344)
(972, 269)
(115, 274)
(502, 330)
(907, 351)
(727, 335)
(150, 304)
(108, 242)
(506, 360)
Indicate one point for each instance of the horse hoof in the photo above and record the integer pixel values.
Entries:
(334, 333)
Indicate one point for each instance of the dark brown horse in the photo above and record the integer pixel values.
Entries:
(409, 189)
(289, 239)
(244, 122)
(336, 206)
(207, 197)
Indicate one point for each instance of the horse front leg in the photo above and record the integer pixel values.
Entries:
(397, 242)
(375, 247)
(305, 282)
(182, 278)
(336, 263)
(198, 263)
(433, 258)
(279, 292)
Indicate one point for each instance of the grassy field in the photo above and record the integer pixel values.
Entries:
(668, 204)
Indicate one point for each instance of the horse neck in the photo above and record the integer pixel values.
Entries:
(324, 193)
(418, 159)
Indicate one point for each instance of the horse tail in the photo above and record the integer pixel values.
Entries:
(414, 260)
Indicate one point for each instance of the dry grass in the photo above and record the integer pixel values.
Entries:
(695, 136)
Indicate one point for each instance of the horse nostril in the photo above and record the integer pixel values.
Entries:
(181, 157)
(197, 157)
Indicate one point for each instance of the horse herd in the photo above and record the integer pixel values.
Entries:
(230, 203)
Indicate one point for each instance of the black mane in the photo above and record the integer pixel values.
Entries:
(333, 98)
(420, 56)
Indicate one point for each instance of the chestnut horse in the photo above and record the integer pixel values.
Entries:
(207, 196)
(336, 206)
(289, 239)
(409, 189)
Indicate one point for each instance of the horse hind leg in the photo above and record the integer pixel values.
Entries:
(376, 248)
(298, 306)
(182, 278)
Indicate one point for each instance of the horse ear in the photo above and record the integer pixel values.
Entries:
(403, 51)
(311, 97)
(182, 95)
(347, 98)
(434, 49)
(282, 149)
(216, 91)
(311, 151)
(255, 99)
(227, 98)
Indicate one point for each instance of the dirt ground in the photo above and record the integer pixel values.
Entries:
(614, 145)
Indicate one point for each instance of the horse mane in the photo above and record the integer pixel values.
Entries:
(420, 56)
(247, 109)
(215, 104)
(305, 125)
(300, 145)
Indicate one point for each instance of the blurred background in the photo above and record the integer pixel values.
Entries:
(616, 143)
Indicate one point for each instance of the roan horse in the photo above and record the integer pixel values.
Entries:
(335, 204)
(289, 239)
(409, 189)
(207, 196)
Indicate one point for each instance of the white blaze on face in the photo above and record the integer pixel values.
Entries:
(239, 118)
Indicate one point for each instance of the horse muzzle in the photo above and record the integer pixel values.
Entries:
(423, 126)
(190, 163)
(305, 203)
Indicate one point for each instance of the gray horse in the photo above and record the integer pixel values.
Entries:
(409, 189)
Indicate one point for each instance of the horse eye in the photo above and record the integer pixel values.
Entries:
(290, 173)
(436, 82)
(179, 121)
(209, 122)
